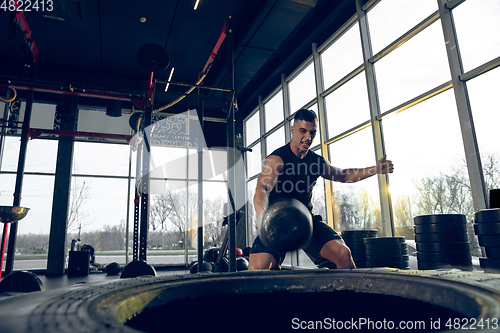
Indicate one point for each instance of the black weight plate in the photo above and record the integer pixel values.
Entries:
(387, 252)
(443, 247)
(394, 246)
(21, 281)
(487, 215)
(487, 228)
(438, 265)
(440, 228)
(371, 231)
(355, 242)
(385, 262)
(358, 254)
(402, 265)
(489, 240)
(439, 218)
(390, 258)
(490, 265)
(357, 237)
(441, 238)
(384, 240)
(492, 252)
(358, 233)
(137, 268)
(358, 243)
(356, 246)
(445, 256)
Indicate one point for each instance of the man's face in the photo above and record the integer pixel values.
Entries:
(303, 133)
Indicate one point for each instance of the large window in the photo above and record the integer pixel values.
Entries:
(476, 23)
(357, 204)
(485, 110)
(390, 19)
(252, 128)
(413, 68)
(302, 88)
(347, 106)
(423, 137)
(343, 56)
(426, 146)
(273, 109)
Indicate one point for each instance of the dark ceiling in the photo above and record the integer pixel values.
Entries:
(93, 45)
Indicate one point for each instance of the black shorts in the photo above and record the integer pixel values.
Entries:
(322, 234)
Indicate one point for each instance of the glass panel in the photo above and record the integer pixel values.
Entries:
(254, 161)
(98, 216)
(390, 19)
(425, 144)
(171, 163)
(252, 128)
(357, 204)
(302, 89)
(483, 92)
(318, 198)
(275, 140)
(342, 57)
(347, 106)
(273, 110)
(101, 159)
(168, 220)
(214, 198)
(476, 22)
(41, 156)
(11, 153)
(33, 230)
(42, 116)
(99, 122)
(7, 189)
(412, 69)
(251, 218)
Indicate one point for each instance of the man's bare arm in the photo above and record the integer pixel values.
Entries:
(273, 165)
(383, 166)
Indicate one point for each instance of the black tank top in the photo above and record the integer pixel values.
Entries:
(298, 177)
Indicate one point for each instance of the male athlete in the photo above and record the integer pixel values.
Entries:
(291, 171)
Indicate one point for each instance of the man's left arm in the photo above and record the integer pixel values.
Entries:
(383, 166)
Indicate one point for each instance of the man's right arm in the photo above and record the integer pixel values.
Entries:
(273, 165)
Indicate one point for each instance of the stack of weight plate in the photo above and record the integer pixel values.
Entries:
(442, 242)
(487, 229)
(386, 252)
(354, 240)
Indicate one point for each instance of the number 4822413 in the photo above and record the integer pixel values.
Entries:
(27, 5)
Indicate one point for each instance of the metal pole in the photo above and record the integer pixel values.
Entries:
(186, 252)
(145, 182)
(9, 265)
(230, 138)
(199, 137)
(128, 204)
(3, 129)
(383, 180)
(138, 172)
(472, 156)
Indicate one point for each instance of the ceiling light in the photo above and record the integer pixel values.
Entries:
(169, 78)
(143, 19)
(196, 4)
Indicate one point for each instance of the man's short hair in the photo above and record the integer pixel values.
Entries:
(307, 115)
